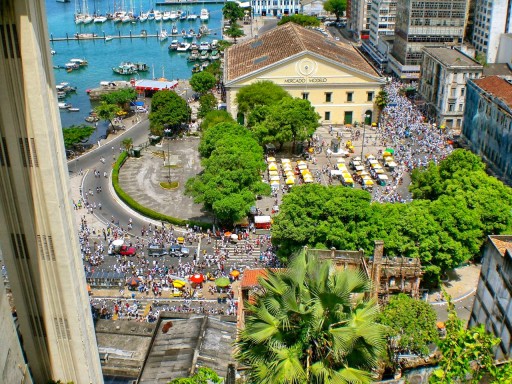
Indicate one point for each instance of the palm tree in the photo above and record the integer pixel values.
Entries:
(311, 324)
(107, 112)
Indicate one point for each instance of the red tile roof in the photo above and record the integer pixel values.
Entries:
(288, 40)
(502, 243)
(496, 86)
(250, 277)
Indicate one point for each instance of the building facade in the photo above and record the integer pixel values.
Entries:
(333, 76)
(382, 24)
(275, 7)
(492, 19)
(425, 23)
(493, 301)
(444, 73)
(487, 128)
(38, 235)
(359, 20)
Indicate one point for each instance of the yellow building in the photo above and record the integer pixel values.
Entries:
(333, 76)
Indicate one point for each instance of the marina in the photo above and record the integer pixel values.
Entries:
(107, 44)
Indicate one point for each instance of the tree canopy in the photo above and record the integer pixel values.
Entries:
(233, 161)
(121, 97)
(168, 110)
(234, 31)
(259, 93)
(203, 375)
(202, 82)
(232, 11)
(207, 103)
(337, 7)
(456, 206)
(304, 20)
(288, 120)
(106, 111)
(311, 324)
(75, 134)
(411, 322)
(215, 117)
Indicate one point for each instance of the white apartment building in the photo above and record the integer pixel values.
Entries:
(275, 7)
(492, 19)
(382, 23)
(444, 73)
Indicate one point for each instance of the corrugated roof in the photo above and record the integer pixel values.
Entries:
(496, 86)
(288, 40)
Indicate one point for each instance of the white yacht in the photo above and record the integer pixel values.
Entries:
(205, 15)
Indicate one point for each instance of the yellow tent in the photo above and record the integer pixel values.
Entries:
(362, 173)
(346, 175)
(305, 171)
(307, 181)
(369, 156)
(178, 284)
(271, 159)
(301, 162)
(289, 174)
(147, 308)
(290, 181)
(274, 182)
(376, 166)
(273, 173)
(285, 161)
(272, 167)
(368, 182)
(274, 178)
(342, 167)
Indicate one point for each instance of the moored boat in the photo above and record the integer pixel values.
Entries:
(163, 35)
(204, 55)
(214, 55)
(129, 68)
(194, 56)
(100, 19)
(73, 109)
(80, 62)
(204, 46)
(183, 47)
(191, 16)
(205, 15)
(174, 30)
(196, 68)
(64, 105)
(174, 45)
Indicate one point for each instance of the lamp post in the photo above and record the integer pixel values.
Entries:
(365, 116)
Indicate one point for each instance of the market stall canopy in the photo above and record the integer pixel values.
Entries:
(357, 158)
(133, 281)
(368, 182)
(359, 168)
(289, 174)
(390, 150)
(154, 85)
(274, 182)
(290, 181)
(178, 284)
(197, 278)
(271, 159)
(235, 273)
(222, 282)
(376, 166)
(301, 162)
(308, 181)
(369, 156)
(382, 177)
(272, 167)
(234, 236)
(391, 164)
(285, 161)
(336, 172)
(274, 178)
(118, 243)
(363, 173)
(302, 166)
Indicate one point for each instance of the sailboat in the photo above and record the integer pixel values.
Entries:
(143, 16)
(163, 33)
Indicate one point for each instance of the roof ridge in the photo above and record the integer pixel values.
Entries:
(295, 28)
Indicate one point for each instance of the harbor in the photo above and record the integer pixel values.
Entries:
(105, 45)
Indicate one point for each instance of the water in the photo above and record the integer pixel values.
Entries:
(102, 55)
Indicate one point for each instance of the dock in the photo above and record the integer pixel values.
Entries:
(114, 37)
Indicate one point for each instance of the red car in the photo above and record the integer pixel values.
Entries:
(127, 251)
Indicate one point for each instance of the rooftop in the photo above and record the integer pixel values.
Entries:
(496, 86)
(285, 41)
(497, 69)
(250, 277)
(502, 243)
(452, 57)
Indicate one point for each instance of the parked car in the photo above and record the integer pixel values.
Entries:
(125, 250)
(185, 252)
(175, 250)
(155, 250)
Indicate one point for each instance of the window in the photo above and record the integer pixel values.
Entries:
(370, 96)
(451, 107)
(453, 92)
(462, 91)
(305, 95)
(461, 107)
(327, 116)
(328, 97)
(350, 97)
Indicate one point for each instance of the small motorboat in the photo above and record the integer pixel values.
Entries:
(73, 109)
(108, 38)
(64, 105)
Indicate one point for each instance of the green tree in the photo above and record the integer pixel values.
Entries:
(234, 31)
(215, 117)
(310, 324)
(75, 134)
(215, 69)
(107, 112)
(411, 322)
(121, 97)
(304, 20)
(203, 375)
(222, 45)
(207, 103)
(168, 110)
(381, 100)
(290, 119)
(467, 354)
(337, 7)
(202, 82)
(259, 93)
(232, 12)
(127, 143)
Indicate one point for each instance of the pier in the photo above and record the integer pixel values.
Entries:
(118, 36)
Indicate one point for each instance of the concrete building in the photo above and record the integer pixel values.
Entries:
(487, 128)
(425, 23)
(359, 20)
(312, 7)
(443, 84)
(275, 7)
(382, 24)
(492, 19)
(493, 302)
(38, 235)
(338, 81)
(505, 49)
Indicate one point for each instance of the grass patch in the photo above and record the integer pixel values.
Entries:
(159, 154)
(171, 185)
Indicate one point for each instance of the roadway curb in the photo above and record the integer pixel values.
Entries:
(456, 300)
